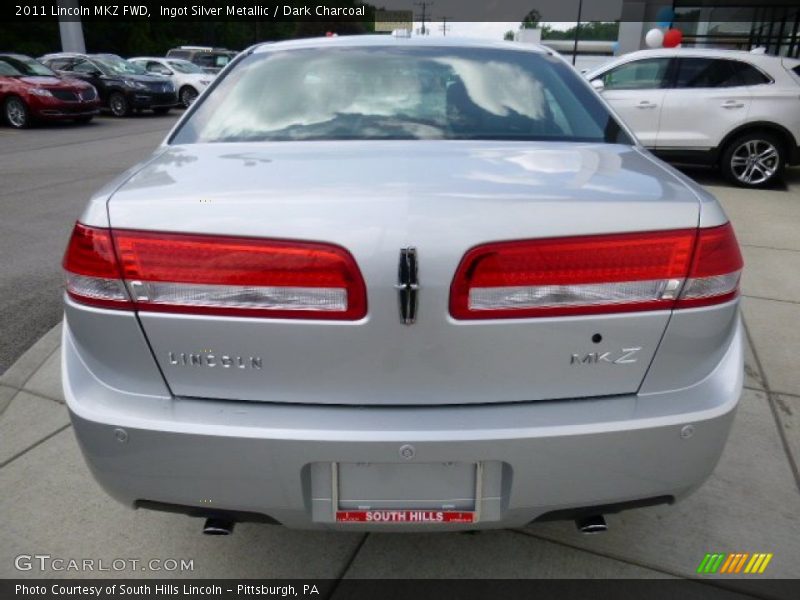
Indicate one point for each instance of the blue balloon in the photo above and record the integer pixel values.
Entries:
(615, 48)
(665, 16)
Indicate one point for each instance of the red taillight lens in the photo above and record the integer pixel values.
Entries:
(594, 274)
(716, 269)
(91, 268)
(202, 274)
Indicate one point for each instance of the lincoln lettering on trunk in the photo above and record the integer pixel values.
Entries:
(224, 361)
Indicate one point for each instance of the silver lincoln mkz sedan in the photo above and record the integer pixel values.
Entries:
(401, 283)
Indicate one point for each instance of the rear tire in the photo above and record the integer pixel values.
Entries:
(16, 112)
(188, 95)
(119, 105)
(754, 160)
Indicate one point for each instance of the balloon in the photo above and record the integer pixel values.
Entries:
(615, 48)
(673, 38)
(665, 16)
(654, 38)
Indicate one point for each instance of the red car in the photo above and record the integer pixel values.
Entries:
(30, 91)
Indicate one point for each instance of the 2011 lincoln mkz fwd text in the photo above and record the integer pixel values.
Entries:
(399, 283)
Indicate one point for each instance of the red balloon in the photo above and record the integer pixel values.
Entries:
(672, 38)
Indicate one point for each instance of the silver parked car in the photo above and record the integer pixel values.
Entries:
(418, 284)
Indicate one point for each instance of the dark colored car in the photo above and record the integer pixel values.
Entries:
(30, 91)
(211, 60)
(123, 86)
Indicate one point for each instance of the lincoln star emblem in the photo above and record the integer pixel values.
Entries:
(408, 285)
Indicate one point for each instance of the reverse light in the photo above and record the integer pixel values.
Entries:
(597, 274)
(219, 275)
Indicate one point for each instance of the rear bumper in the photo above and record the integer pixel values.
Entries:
(274, 460)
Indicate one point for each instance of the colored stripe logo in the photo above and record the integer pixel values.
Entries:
(735, 562)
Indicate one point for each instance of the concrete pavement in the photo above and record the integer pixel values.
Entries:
(50, 504)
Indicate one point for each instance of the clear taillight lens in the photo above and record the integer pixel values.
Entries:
(200, 274)
(597, 274)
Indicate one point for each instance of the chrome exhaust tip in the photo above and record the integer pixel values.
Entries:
(591, 524)
(218, 527)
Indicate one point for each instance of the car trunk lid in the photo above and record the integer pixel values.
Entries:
(375, 199)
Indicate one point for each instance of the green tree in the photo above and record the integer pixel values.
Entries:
(592, 30)
(531, 20)
(509, 35)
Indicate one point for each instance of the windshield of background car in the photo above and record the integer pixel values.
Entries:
(16, 66)
(184, 66)
(377, 92)
(118, 66)
(221, 60)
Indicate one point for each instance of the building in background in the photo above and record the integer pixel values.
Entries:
(735, 24)
(591, 53)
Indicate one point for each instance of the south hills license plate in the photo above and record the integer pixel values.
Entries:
(405, 516)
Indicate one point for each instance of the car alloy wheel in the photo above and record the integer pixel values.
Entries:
(118, 105)
(188, 95)
(16, 113)
(755, 161)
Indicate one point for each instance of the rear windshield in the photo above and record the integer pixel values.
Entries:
(386, 93)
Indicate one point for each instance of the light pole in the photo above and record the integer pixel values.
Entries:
(71, 29)
(577, 32)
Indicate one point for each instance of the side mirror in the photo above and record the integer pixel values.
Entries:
(598, 85)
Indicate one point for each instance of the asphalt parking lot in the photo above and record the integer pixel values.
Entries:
(48, 174)
(49, 503)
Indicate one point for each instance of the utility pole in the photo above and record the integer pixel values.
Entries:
(577, 32)
(71, 29)
(444, 26)
(423, 17)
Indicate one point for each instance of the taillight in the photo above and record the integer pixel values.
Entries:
(597, 274)
(203, 274)
(93, 276)
(716, 269)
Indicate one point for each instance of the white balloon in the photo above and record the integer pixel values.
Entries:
(654, 38)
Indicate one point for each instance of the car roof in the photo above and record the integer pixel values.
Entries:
(79, 55)
(64, 55)
(709, 52)
(762, 60)
(359, 41)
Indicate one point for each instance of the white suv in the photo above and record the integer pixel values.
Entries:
(189, 79)
(737, 110)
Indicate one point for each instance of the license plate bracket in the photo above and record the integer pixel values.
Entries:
(423, 493)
